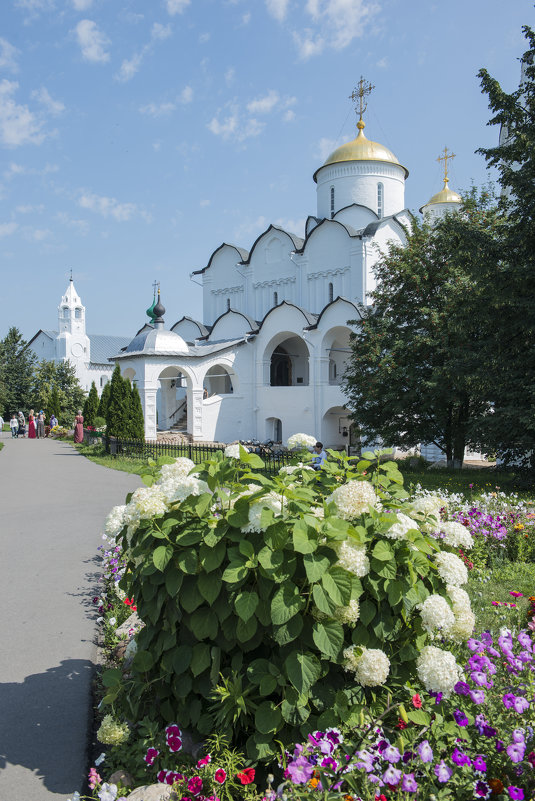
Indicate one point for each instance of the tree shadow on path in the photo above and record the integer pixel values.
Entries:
(40, 726)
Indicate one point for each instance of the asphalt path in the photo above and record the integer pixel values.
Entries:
(53, 503)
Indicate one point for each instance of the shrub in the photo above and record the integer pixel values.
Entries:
(275, 607)
(90, 406)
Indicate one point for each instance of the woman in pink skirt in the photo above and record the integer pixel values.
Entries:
(79, 427)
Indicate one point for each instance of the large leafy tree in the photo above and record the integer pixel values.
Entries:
(511, 353)
(55, 382)
(16, 370)
(413, 375)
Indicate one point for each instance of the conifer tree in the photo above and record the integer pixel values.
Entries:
(115, 415)
(54, 406)
(91, 406)
(16, 371)
(104, 401)
(137, 422)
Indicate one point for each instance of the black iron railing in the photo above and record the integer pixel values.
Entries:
(138, 449)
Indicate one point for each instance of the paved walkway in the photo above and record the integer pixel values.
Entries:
(53, 503)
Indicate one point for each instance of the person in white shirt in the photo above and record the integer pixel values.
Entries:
(320, 457)
(14, 426)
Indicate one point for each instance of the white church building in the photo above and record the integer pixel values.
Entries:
(268, 358)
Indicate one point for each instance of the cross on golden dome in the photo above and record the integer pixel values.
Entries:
(444, 157)
(358, 94)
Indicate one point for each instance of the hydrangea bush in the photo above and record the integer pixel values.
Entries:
(274, 607)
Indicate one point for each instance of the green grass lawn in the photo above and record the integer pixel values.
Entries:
(97, 454)
(486, 479)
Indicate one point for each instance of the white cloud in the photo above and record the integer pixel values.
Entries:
(325, 148)
(340, 21)
(232, 127)
(382, 63)
(82, 5)
(229, 75)
(176, 6)
(246, 19)
(110, 207)
(8, 56)
(225, 128)
(6, 229)
(277, 9)
(289, 115)
(80, 226)
(204, 37)
(35, 6)
(92, 42)
(264, 105)
(130, 66)
(42, 95)
(204, 203)
(292, 226)
(37, 234)
(18, 125)
(157, 110)
(186, 95)
(308, 44)
(160, 32)
(29, 209)
(250, 229)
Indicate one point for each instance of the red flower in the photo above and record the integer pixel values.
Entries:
(247, 776)
(380, 798)
(401, 724)
(220, 776)
(416, 701)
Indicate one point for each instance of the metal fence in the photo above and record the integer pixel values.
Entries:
(138, 449)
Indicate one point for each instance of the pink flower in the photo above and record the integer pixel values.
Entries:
(161, 776)
(93, 778)
(220, 776)
(173, 731)
(174, 743)
(151, 755)
(204, 761)
(516, 594)
(195, 785)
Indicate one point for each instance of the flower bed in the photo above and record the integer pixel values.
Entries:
(373, 677)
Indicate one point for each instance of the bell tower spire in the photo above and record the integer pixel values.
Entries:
(73, 342)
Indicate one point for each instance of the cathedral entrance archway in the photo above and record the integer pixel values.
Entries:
(172, 400)
(288, 362)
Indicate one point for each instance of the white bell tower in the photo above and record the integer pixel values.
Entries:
(72, 342)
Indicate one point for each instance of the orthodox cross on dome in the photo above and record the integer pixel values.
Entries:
(444, 157)
(358, 95)
(150, 310)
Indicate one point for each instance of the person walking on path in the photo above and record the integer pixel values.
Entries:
(31, 425)
(14, 426)
(79, 427)
(53, 420)
(22, 425)
(50, 571)
(41, 425)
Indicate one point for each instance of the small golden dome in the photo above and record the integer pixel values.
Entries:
(446, 195)
(362, 149)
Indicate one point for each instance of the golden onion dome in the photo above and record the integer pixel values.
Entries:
(362, 149)
(446, 195)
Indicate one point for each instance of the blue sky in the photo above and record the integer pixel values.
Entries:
(138, 135)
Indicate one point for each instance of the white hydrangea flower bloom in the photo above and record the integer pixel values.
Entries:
(465, 620)
(178, 488)
(438, 670)
(429, 505)
(402, 524)
(371, 668)
(181, 466)
(233, 451)
(348, 614)
(319, 512)
(436, 614)
(353, 499)
(301, 441)
(146, 502)
(288, 469)
(456, 535)
(272, 500)
(115, 521)
(451, 569)
(352, 557)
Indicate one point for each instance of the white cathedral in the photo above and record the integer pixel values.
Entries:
(268, 358)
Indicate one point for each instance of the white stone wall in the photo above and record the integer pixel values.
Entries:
(356, 182)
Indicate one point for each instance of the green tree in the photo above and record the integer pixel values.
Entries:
(58, 377)
(104, 401)
(54, 406)
(91, 406)
(16, 371)
(510, 430)
(413, 375)
(118, 414)
(137, 422)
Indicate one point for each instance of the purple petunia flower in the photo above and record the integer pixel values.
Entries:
(300, 770)
(499, 746)
(520, 704)
(481, 789)
(475, 645)
(443, 772)
(392, 775)
(409, 783)
(425, 751)
(518, 735)
(365, 761)
(391, 754)
(460, 718)
(516, 752)
(436, 696)
(515, 793)
(508, 700)
(329, 762)
(462, 688)
(488, 731)
(459, 758)
(480, 678)
(479, 763)
(477, 696)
